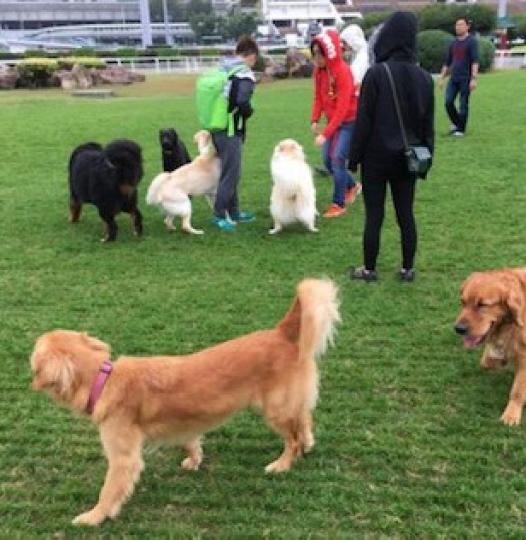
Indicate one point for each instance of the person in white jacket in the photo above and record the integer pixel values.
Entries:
(353, 39)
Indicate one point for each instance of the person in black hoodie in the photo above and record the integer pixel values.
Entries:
(377, 143)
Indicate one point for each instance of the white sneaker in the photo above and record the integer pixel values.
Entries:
(458, 133)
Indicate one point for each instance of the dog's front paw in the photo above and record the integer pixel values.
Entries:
(277, 466)
(91, 518)
(512, 415)
(190, 464)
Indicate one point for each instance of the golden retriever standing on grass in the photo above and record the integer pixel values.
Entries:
(494, 314)
(171, 191)
(178, 398)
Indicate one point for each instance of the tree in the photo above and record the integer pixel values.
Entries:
(238, 24)
(520, 25)
(206, 25)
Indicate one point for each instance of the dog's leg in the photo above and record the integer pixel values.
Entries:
(289, 429)
(186, 225)
(136, 217)
(195, 455)
(111, 226)
(277, 227)
(75, 207)
(122, 445)
(306, 432)
(169, 222)
(310, 226)
(513, 412)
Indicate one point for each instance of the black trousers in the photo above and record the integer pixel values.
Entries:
(374, 188)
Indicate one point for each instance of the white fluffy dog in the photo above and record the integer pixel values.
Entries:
(293, 195)
(171, 191)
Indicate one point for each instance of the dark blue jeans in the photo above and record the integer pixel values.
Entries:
(335, 156)
(458, 118)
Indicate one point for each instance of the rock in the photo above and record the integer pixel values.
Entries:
(298, 64)
(8, 78)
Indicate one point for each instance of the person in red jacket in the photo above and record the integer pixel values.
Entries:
(334, 97)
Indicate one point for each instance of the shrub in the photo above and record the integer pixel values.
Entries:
(486, 54)
(372, 19)
(124, 52)
(520, 25)
(36, 72)
(443, 17)
(432, 48)
(68, 62)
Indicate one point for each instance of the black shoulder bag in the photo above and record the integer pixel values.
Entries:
(418, 157)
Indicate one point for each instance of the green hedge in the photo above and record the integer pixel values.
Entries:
(432, 48)
(67, 62)
(486, 54)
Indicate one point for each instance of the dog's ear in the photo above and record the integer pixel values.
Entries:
(95, 344)
(516, 303)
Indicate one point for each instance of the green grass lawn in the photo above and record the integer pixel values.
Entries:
(408, 438)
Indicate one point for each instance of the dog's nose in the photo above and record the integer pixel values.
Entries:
(461, 329)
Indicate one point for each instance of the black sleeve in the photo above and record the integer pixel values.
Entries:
(429, 119)
(364, 120)
(240, 94)
(474, 51)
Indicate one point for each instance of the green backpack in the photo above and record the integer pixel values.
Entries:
(212, 103)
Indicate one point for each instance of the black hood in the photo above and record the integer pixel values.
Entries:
(397, 38)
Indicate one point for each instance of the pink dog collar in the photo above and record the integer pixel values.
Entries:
(98, 385)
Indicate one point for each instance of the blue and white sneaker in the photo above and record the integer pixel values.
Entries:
(224, 224)
(243, 217)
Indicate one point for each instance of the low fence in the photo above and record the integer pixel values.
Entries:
(196, 64)
(509, 59)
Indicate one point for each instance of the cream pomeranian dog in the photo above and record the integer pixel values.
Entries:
(171, 191)
(178, 398)
(293, 196)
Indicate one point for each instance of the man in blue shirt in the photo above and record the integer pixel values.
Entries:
(462, 63)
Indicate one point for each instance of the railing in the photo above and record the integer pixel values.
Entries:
(508, 59)
(197, 64)
(165, 64)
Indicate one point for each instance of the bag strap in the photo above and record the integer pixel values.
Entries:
(397, 106)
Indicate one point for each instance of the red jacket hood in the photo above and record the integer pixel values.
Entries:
(331, 45)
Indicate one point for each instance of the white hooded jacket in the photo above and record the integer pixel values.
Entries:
(354, 37)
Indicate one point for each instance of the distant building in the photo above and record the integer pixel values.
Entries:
(32, 14)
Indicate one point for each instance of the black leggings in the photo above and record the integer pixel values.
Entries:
(403, 194)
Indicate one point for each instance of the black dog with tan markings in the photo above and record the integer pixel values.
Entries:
(107, 178)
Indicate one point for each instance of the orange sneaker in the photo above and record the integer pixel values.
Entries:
(334, 211)
(351, 194)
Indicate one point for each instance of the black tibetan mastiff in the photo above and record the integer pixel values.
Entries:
(107, 178)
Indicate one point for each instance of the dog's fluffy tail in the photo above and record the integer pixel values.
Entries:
(311, 321)
(152, 197)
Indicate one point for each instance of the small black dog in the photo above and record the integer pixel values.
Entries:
(174, 152)
(107, 178)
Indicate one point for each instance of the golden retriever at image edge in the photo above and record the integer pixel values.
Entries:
(178, 398)
(493, 314)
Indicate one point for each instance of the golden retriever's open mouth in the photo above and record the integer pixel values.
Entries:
(472, 342)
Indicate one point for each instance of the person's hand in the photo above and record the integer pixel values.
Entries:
(315, 128)
(472, 84)
(320, 140)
